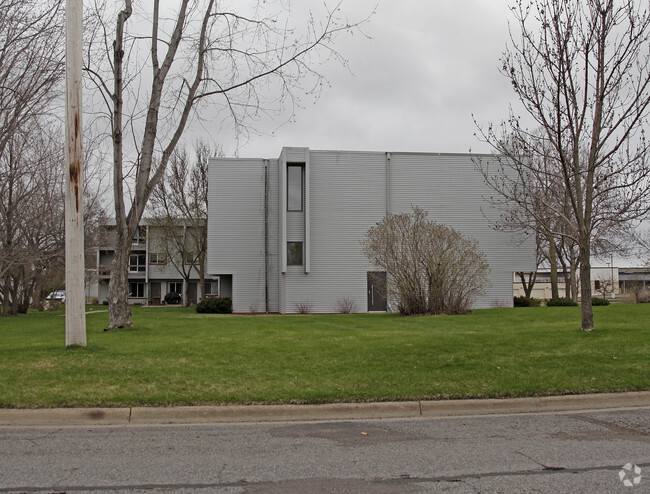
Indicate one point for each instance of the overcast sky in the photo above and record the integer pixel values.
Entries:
(413, 86)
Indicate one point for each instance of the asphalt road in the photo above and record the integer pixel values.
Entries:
(575, 452)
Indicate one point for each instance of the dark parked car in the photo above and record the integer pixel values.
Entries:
(173, 298)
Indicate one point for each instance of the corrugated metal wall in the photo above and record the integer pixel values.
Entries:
(236, 228)
(347, 197)
(274, 236)
(347, 193)
(452, 191)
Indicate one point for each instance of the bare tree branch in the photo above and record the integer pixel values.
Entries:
(581, 71)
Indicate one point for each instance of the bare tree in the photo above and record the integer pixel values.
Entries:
(31, 63)
(31, 214)
(432, 269)
(569, 259)
(637, 289)
(605, 285)
(31, 67)
(31, 243)
(528, 279)
(179, 205)
(581, 70)
(31, 147)
(644, 247)
(197, 56)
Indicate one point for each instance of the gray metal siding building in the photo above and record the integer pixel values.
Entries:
(286, 249)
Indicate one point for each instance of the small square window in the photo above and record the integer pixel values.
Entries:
(294, 254)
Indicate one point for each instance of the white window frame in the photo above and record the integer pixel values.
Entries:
(138, 267)
(169, 287)
(212, 282)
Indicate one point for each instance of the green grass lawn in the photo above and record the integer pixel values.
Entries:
(174, 356)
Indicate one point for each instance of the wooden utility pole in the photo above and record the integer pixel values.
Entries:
(75, 308)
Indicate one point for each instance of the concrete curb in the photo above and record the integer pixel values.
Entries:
(65, 417)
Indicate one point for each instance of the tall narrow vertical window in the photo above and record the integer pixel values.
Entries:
(295, 186)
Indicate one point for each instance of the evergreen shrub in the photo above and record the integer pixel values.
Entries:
(561, 302)
(526, 302)
(215, 305)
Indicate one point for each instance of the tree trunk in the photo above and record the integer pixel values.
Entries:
(527, 285)
(118, 286)
(26, 296)
(552, 257)
(585, 288)
(186, 290)
(5, 296)
(201, 287)
(38, 294)
(568, 283)
(118, 305)
(14, 293)
(574, 281)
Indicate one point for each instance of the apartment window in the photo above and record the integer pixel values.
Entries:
(140, 236)
(137, 263)
(136, 290)
(191, 258)
(294, 254)
(157, 258)
(175, 286)
(295, 186)
(211, 288)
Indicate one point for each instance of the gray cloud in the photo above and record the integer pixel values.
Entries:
(414, 86)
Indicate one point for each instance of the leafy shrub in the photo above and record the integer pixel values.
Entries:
(599, 301)
(526, 302)
(561, 302)
(215, 305)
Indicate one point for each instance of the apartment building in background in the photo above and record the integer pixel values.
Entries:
(156, 266)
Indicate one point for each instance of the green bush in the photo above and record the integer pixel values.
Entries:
(215, 305)
(526, 302)
(561, 302)
(599, 301)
